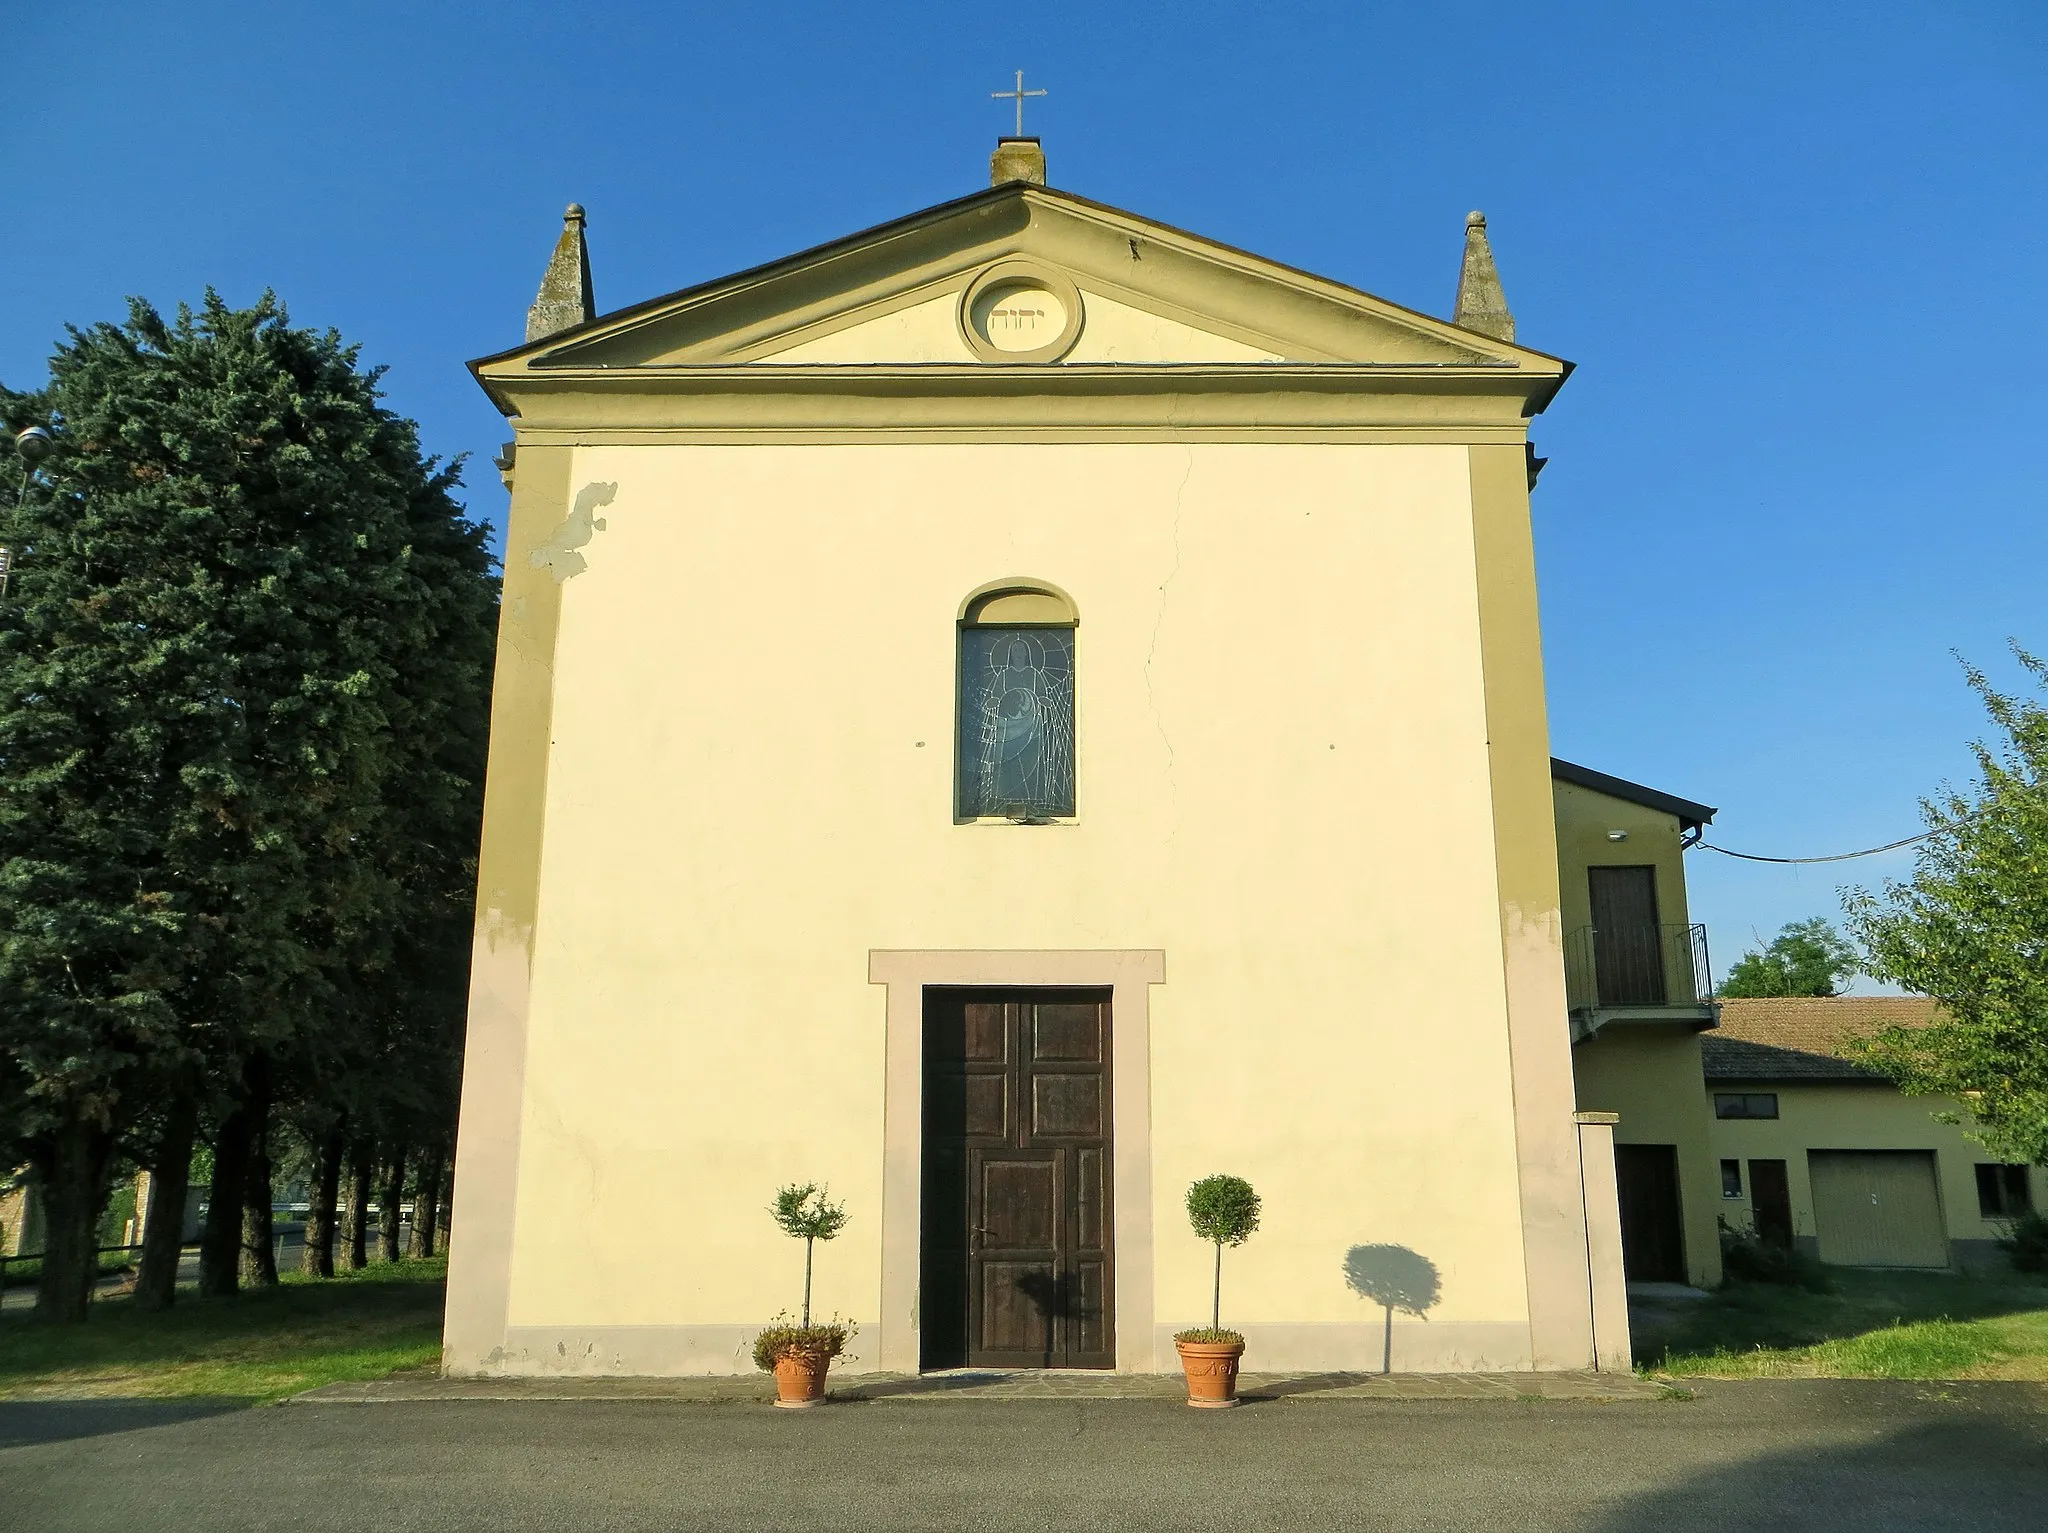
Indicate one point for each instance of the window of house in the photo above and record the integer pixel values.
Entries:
(1731, 1178)
(2002, 1191)
(1745, 1104)
(1015, 751)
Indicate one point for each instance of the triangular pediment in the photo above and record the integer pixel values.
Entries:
(905, 295)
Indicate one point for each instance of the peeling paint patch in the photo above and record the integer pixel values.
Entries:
(558, 555)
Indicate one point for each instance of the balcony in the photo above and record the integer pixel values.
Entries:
(1637, 973)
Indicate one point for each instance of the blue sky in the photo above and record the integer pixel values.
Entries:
(1796, 251)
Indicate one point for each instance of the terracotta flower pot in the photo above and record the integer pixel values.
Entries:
(1211, 1367)
(800, 1380)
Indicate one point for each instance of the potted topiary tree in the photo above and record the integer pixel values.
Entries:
(799, 1355)
(1224, 1211)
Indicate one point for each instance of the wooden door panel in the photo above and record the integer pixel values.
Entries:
(1066, 1106)
(1086, 1309)
(1018, 1207)
(1065, 1032)
(985, 1107)
(1091, 1199)
(1013, 1321)
(985, 1033)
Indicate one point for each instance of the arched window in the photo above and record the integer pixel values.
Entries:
(1015, 750)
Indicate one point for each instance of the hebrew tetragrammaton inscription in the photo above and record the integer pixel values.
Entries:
(558, 554)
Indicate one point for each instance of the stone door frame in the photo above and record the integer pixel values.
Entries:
(1128, 975)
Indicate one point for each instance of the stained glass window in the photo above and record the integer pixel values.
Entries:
(1016, 749)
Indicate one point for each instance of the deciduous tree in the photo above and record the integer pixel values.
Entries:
(1805, 958)
(1970, 928)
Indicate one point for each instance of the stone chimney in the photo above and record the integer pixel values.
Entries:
(564, 300)
(1482, 306)
(1017, 159)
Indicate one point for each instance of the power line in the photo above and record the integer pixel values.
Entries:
(1889, 846)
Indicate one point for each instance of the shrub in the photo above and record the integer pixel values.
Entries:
(2026, 1242)
(1746, 1259)
(1211, 1335)
(784, 1338)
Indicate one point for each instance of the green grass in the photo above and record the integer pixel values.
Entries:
(1871, 1325)
(27, 1272)
(261, 1345)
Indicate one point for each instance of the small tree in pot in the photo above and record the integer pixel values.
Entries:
(799, 1355)
(1224, 1211)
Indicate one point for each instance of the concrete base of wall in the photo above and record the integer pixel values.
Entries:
(1411, 1346)
(1964, 1255)
(627, 1351)
(677, 1351)
(1979, 1256)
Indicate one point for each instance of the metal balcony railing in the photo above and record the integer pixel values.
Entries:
(1606, 968)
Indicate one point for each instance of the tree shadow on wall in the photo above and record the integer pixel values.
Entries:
(1395, 1278)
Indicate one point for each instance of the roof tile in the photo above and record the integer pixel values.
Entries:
(1803, 1037)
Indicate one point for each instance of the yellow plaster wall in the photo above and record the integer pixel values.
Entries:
(1283, 785)
(1851, 1115)
(1650, 1074)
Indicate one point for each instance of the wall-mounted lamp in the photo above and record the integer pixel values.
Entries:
(1617, 835)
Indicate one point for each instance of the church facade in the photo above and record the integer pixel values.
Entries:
(1006, 714)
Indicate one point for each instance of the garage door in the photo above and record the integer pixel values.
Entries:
(1877, 1208)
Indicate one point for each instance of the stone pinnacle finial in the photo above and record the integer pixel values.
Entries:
(564, 300)
(1482, 306)
(1017, 159)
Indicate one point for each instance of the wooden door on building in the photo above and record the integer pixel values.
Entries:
(1017, 1256)
(1877, 1208)
(1770, 1202)
(1652, 1218)
(1628, 947)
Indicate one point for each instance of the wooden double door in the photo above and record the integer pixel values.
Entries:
(1017, 1252)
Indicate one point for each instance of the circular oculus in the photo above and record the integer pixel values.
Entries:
(1015, 312)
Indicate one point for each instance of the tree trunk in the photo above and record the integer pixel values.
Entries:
(426, 1203)
(163, 1221)
(74, 1191)
(220, 1243)
(355, 1213)
(259, 1256)
(320, 1217)
(388, 1249)
(447, 1207)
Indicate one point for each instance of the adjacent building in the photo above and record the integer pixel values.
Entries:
(1640, 989)
(1818, 1152)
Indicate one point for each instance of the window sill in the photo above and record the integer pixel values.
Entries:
(1002, 819)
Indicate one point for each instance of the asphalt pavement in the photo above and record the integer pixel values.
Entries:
(1807, 1455)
